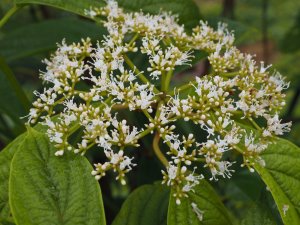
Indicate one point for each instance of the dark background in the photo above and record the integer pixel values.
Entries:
(270, 29)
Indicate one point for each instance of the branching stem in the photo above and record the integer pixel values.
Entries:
(139, 73)
(9, 14)
(183, 87)
(167, 81)
(254, 123)
(157, 150)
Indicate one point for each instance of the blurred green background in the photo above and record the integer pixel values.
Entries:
(270, 29)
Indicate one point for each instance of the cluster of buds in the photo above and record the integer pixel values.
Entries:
(88, 85)
(118, 162)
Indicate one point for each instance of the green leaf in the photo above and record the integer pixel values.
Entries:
(243, 33)
(45, 189)
(248, 184)
(187, 10)
(147, 205)
(282, 176)
(6, 222)
(257, 215)
(207, 201)
(75, 6)
(6, 156)
(13, 101)
(43, 36)
(290, 43)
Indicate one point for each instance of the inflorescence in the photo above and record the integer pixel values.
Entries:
(87, 84)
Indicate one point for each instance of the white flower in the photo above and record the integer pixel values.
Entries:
(234, 136)
(199, 213)
(191, 181)
(57, 137)
(278, 81)
(285, 208)
(263, 68)
(87, 85)
(172, 173)
(59, 153)
(275, 127)
(104, 143)
(252, 145)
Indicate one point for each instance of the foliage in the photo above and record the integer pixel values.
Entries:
(41, 182)
(51, 192)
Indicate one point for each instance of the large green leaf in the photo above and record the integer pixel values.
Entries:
(43, 36)
(290, 43)
(242, 190)
(282, 177)
(6, 222)
(75, 6)
(147, 205)
(257, 215)
(13, 101)
(48, 190)
(6, 156)
(206, 200)
(187, 10)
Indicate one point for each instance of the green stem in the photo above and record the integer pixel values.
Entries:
(9, 13)
(120, 106)
(158, 109)
(73, 128)
(158, 152)
(254, 123)
(200, 160)
(163, 81)
(133, 39)
(147, 115)
(138, 72)
(133, 67)
(90, 146)
(183, 87)
(231, 74)
(145, 132)
(238, 149)
(167, 81)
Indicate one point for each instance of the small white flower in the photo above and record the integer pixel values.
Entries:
(275, 127)
(87, 85)
(285, 208)
(172, 172)
(199, 213)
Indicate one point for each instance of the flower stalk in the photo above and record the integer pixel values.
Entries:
(9, 14)
(238, 89)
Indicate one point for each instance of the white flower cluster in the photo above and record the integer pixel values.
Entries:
(87, 85)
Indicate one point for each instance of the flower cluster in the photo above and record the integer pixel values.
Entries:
(88, 84)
